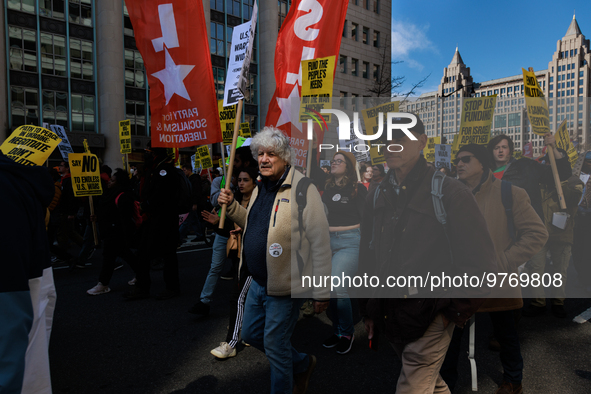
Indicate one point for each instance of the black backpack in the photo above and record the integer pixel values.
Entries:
(185, 203)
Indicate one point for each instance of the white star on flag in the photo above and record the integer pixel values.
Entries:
(290, 110)
(172, 78)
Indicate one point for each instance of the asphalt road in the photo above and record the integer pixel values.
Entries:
(105, 344)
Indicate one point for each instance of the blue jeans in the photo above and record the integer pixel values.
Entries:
(268, 325)
(345, 258)
(218, 258)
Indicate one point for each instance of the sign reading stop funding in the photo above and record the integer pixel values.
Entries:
(86, 177)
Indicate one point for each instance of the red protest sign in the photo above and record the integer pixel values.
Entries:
(172, 39)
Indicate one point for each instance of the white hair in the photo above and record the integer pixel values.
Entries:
(272, 138)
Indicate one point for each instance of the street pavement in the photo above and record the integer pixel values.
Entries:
(106, 344)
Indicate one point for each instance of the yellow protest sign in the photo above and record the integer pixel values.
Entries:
(517, 154)
(86, 176)
(30, 145)
(563, 142)
(227, 118)
(429, 151)
(125, 136)
(476, 121)
(245, 130)
(371, 122)
(455, 147)
(317, 81)
(203, 154)
(537, 108)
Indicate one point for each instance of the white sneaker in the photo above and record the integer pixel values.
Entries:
(132, 282)
(224, 351)
(99, 289)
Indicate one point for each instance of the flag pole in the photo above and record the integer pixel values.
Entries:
(555, 171)
(232, 154)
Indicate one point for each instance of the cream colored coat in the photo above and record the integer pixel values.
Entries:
(283, 276)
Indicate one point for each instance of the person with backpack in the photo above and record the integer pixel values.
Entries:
(344, 198)
(518, 234)
(165, 195)
(270, 241)
(116, 219)
(402, 237)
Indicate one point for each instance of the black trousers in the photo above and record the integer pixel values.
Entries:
(113, 248)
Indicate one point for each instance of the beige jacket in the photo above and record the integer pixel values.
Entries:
(283, 276)
(531, 236)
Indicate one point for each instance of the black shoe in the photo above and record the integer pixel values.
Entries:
(533, 311)
(331, 342)
(493, 344)
(344, 345)
(136, 294)
(199, 309)
(168, 294)
(301, 380)
(558, 311)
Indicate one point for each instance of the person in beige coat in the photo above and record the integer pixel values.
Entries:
(270, 247)
(513, 247)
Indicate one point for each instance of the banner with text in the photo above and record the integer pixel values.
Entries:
(371, 122)
(227, 119)
(204, 157)
(245, 130)
(65, 147)
(537, 108)
(86, 175)
(125, 136)
(317, 82)
(563, 142)
(476, 121)
(30, 145)
(173, 41)
(442, 156)
(429, 151)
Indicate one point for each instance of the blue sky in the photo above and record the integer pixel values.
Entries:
(495, 38)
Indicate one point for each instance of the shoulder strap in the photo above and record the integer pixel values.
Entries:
(440, 214)
(375, 199)
(507, 198)
(117, 198)
(302, 201)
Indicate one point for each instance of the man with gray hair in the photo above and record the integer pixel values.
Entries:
(269, 248)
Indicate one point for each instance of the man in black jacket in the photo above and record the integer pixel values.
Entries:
(198, 204)
(160, 231)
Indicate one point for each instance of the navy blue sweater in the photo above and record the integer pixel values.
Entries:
(254, 254)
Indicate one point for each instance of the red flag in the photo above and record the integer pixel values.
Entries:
(528, 150)
(172, 39)
(312, 29)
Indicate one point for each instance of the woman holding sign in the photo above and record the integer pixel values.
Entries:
(344, 198)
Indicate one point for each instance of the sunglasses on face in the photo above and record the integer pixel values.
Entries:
(337, 161)
(463, 159)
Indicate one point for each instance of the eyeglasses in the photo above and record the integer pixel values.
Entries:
(463, 159)
(337, 161)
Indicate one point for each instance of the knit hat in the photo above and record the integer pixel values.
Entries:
(480, 152)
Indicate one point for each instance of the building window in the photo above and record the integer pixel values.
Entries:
(53, 55)
(345, 29)
(365, 70)
(216, 42)
(81, 59)
(217, 5)
(251, 90)
(366, 4)
(376, 39)
(22, 5)
(376, 72)
(233, 7)
(219, 78)
(247, 6)
(354, 67)
(23, 49)
(55, 107)
(354, 30)
(82, 113)
(24, 106)
(134, 69)
(282, 11)
(80, 12)
(135, 112)
(376, 6)
(51, 8)
(365, 35)
(343, 64)
(127, 26)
